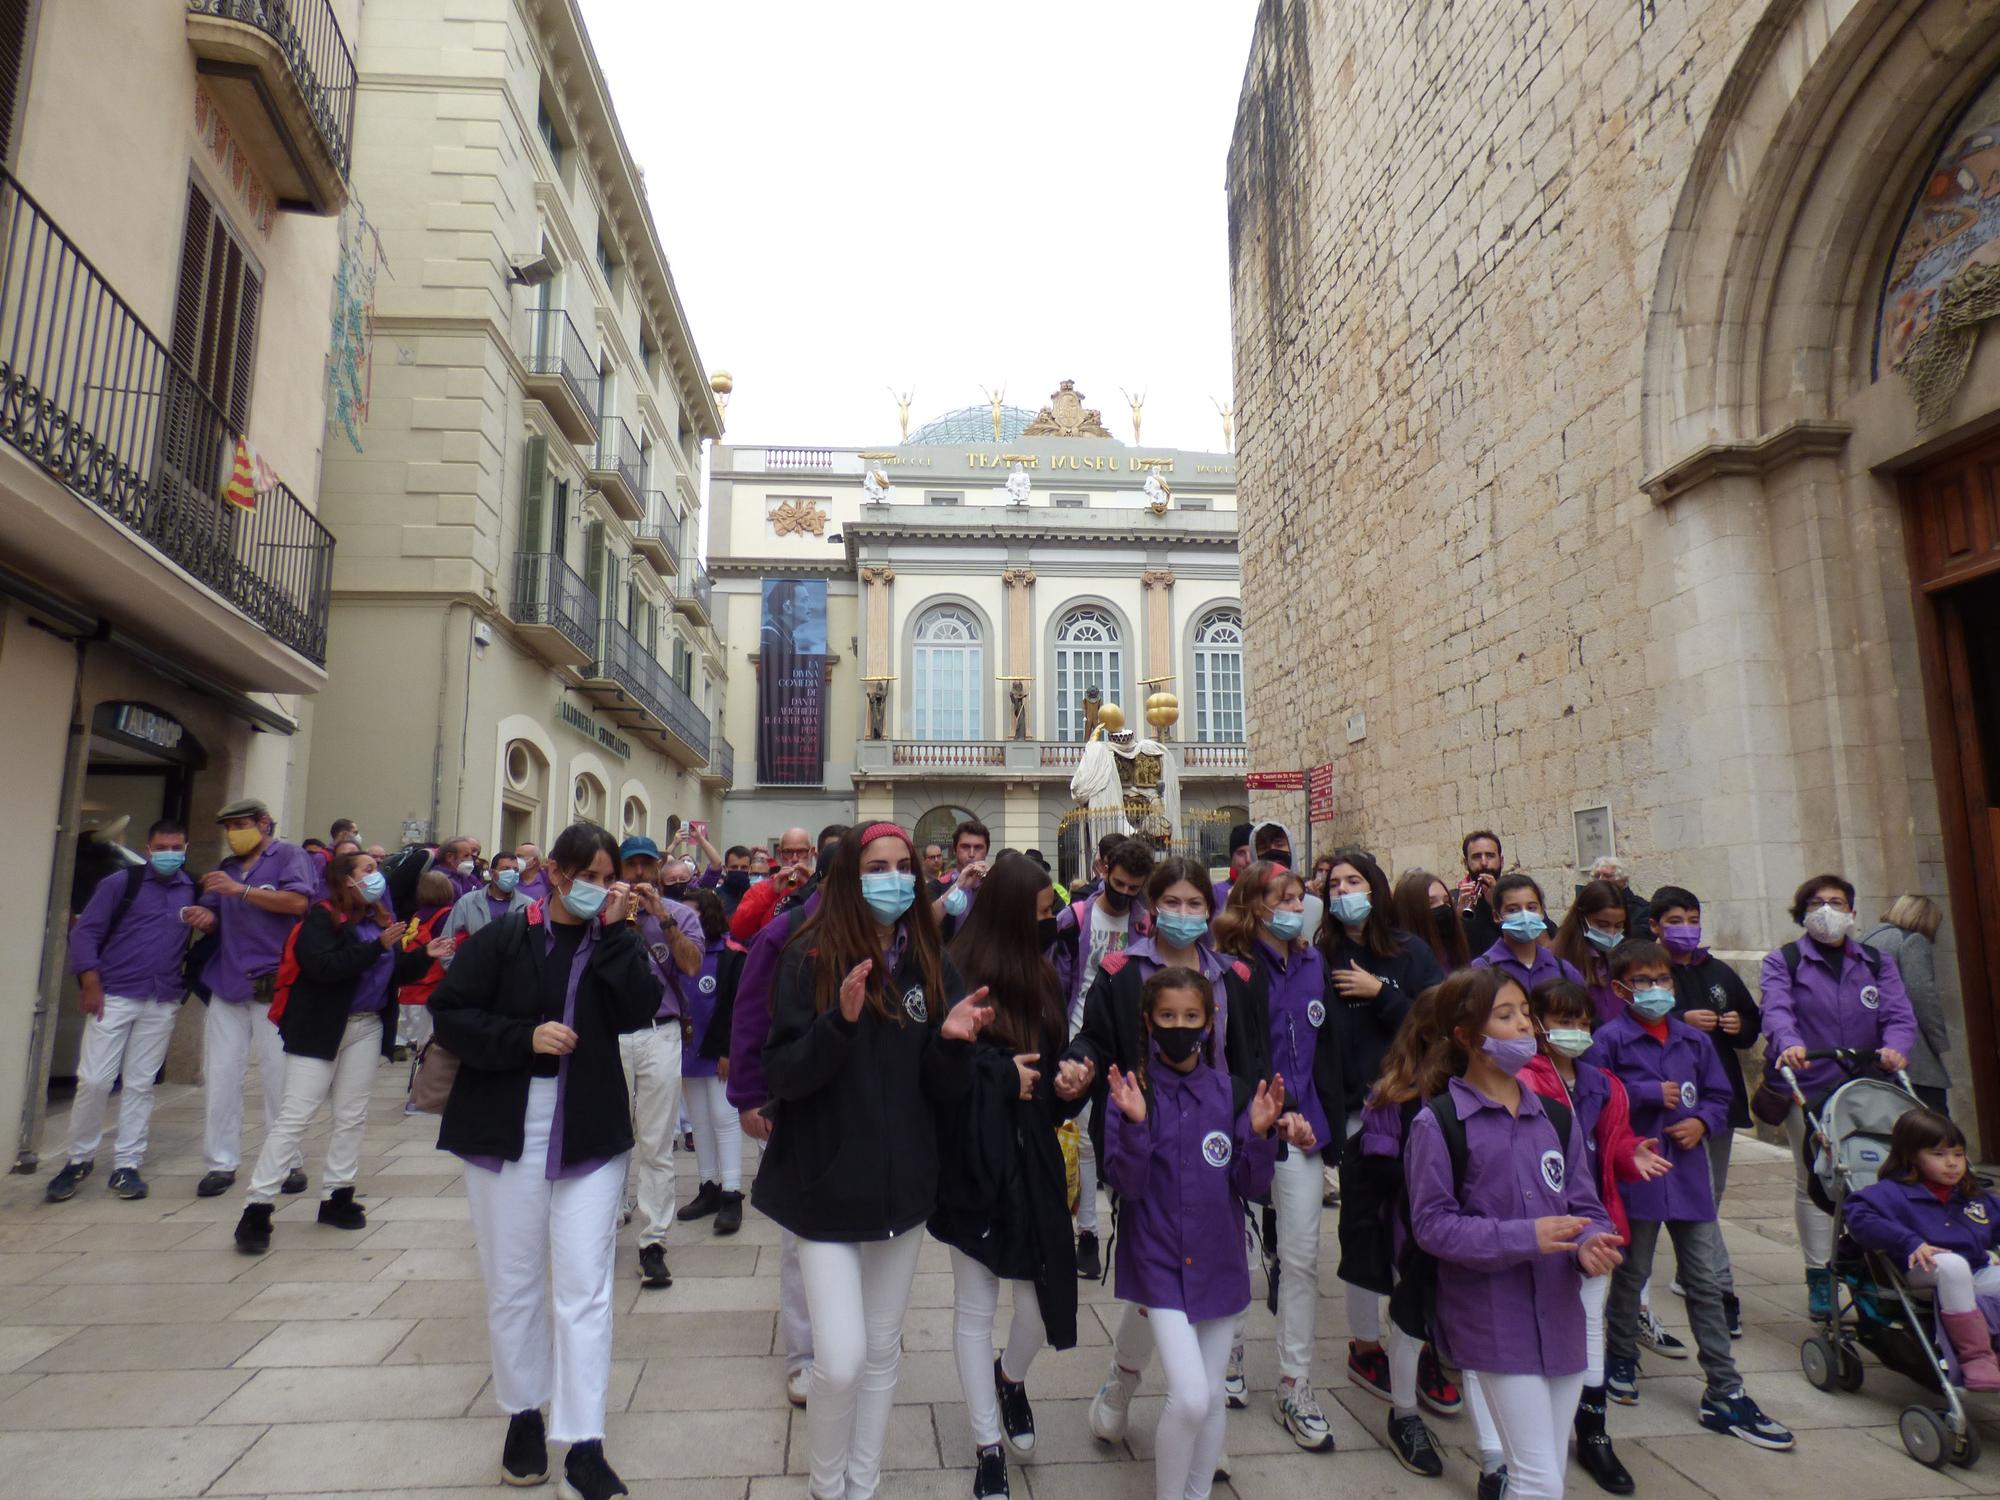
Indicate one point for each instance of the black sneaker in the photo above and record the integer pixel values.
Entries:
(525, 1459)
(1732, 1314)
(340, 1210)
(1088, 1266)
(586, 1476)
(1016, 1415)
(729, 1215)
(1410, 1440)
(126, 1183)
(707, 1198)
(253, 1230)
(1493, 1486)
(63, 1186)
(214, 1184)
(653, 1266)
(295, 1182)
(991, 1476)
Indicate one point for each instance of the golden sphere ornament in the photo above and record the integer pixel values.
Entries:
(1111, 717)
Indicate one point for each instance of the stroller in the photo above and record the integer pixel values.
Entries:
(1874, 1306)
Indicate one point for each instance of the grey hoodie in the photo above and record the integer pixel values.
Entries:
(1315, 908)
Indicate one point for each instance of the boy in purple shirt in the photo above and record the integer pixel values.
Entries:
(126, 952)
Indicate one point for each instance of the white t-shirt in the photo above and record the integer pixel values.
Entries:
(1108, 934)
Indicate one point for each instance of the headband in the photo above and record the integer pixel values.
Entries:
(876, 831)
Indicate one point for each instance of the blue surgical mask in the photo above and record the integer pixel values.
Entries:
(506, 880)
(1288, 924)
(1181, 930)
(1509, 1053)
(1524, 926)
(1653, 1002)
(956, 901)
(1570, 1041)
(889, 893)
(373, 884)
(585, 900)
(167, 861)
(1352, 907)
(1604, 942)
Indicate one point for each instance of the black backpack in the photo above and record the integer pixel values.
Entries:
(1793, 958)
(193, 960)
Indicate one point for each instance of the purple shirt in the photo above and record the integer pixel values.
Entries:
(1825, 1007)
(700, 1010)
(654, 935)
(1546, 966)
(371, 990)
(555, 1171)
(1688, 1062)
(252, 939)
(1896, 1217)
(1182, 1175)
(1298, 1010)
(750, 1026)
(535, 887)
(143, 959)
(1503, 1307)
(498, 906)
(1144, 954)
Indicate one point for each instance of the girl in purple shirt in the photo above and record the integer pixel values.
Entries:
(1513, 1220)
(1523, 917)
(1183, 1161)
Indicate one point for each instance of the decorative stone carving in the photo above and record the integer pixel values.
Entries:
(1018, 578)
(798, 516)
(876, 577)
(1067, 416)
(1158, 578)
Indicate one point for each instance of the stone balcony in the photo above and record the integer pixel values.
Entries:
(890, 760)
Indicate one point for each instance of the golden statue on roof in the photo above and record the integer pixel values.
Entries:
(1067, 416)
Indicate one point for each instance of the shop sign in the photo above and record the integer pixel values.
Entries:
(139, 722)
(1275, 781)
(606, 737)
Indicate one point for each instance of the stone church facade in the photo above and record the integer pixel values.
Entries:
(1617, 441)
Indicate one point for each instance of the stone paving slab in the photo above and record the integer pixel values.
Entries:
(142, 1358)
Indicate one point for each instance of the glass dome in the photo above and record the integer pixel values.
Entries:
(972, 424)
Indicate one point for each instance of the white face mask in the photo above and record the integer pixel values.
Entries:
(1828, 924)
(466, 867)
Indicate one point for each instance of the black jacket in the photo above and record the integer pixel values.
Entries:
(1368, 1026)
(332, 958)
(487, 1007)
(714, 1042)
(1482, 928)
(1712, 985)
(1112, 1032)
(854, 1140)
(1003, 1195)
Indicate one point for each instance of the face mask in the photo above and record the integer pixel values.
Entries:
(1828, 925)
(1282, 858)
(167, 861)
(1287, 924)
(1177, 1043)
(1603, 941)
(1352, 907)
(888, 893)
(1045, 932)
(1524, 926)
(1653, 1002)
(1181, 930)
(1116, 902)
(1570, 1041)
(506, 880)
(373, 884)
(1508, 1053)
(1682, 937)
(736, 882)
(1444, 918)
(675, 892)
(466, 866)
(584, 900)
(244, 841)
(955, 902)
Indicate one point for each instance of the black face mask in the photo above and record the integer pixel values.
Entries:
(736, 882)
(1282, 858)
(1444, 918)
(1177, 1043)
(1116, 901)
(676, 892)
(1045, 932)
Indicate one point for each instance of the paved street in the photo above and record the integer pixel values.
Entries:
(141, 1356)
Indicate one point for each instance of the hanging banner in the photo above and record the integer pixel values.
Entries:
(791, 683)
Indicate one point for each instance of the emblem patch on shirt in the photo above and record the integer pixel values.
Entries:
(1976, 1211)
(1688, 1096)
(707, 985)
(1316, 1013)
(1871, 998)
(1215, 1148)
(913, 1003)
(1552, 1170)
(1721, 1000)
(662, 954)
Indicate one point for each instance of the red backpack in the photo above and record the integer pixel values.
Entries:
(287, 973)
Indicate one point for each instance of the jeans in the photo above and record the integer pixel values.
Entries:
(1719, 1147)
(975, 1304)
(1698, 1250)
(1086, 1184)
(130, 1037)
(857, 1294)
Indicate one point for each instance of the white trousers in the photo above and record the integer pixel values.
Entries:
(309, 1083)
(1957, 1283)
(543, 1242)
(975, 1300)
(131, 1037)
(718, 1132)
(652, 1060)
(1595, 1290)
(1295, 1195)
(1815, 1228)
(795, 1329)
(1086, 1184)
(1189, 1439)
(230, 1032)
(857, 1294)
(1364, 1322)
(413, 1025)
(1533, 1415)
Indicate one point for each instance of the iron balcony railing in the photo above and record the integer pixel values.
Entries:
(310, 37)
(684, 721)
(89, 394)
(695, 585)
(548, 592)
(618, 452)
(661, 529)
(556, 348)
(722, 760)
(622, 660)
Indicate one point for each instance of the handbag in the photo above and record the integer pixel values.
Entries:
(431, 1080)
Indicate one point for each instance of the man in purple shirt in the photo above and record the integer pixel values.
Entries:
(126, 952)
(534, 882)
(252, 902)
(459, 859)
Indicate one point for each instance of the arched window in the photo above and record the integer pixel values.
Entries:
(935, 827)
(524, 795)
(948, 682)
(587, 798)
(1088, 654)
(635, 817)
(1218, 677)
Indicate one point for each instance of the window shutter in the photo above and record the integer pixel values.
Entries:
(559, 521)
(189, 291)
(534, 491)
(243, 356)
(16, 20)
(593, 566)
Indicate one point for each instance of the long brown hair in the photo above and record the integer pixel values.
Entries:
(1401, 1064)
(1924, 1130)
(1171, 871)
(998, 946)
(1235, 930)
(1411, 898)
(1378, 933)
(1464, 1004)
(1572, 946)
(348, 903)
(841, 932)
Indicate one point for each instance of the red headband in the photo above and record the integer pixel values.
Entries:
(876, 831)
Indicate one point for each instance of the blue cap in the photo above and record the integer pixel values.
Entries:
(638, 847)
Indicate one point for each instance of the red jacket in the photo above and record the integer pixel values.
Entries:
(758, 906)
(1612, 1140)
(417, 935)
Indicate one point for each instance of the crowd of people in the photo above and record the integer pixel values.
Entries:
(1507, 1112)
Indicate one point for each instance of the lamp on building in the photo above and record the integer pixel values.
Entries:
(722, 383)
(532, 272)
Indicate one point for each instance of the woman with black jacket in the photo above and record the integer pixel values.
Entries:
(533, 1006)
(869, 1038)
(1377, 970)
(1003, 1197)
(337, 1023)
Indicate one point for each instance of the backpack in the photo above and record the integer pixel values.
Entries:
(1793, 958)
(287, 973)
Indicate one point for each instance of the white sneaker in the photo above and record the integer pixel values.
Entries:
(1235, 1390)
(797, 1383)
(1298, 1411)
(1111, 1406)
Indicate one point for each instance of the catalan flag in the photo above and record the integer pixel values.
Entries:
(248, 476)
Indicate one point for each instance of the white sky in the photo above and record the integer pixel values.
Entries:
(938, 196)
